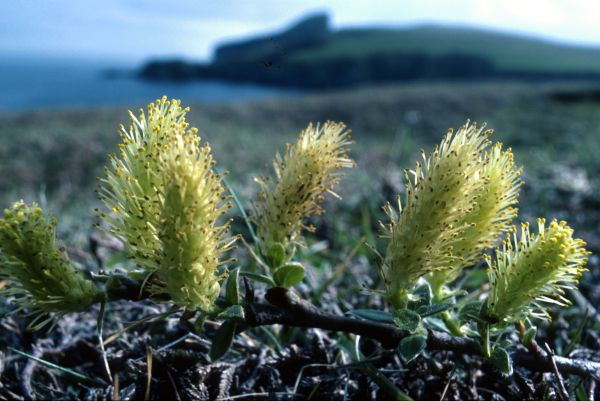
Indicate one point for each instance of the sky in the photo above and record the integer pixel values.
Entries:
(134, 30)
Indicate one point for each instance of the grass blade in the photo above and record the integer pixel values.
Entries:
(242, 211)
(116, 335)
(100, 327)
(67, 371)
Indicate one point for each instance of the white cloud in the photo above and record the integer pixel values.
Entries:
(139, 28)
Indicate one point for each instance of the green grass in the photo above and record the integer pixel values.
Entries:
(54, 156)
(506, 51)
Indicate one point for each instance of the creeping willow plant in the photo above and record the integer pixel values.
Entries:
(165, 201)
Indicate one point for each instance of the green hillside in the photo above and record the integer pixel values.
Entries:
(509, 52)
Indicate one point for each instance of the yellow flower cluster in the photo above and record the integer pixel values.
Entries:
(533, 269)
(308, 169)
(458, 202)
(495, 191)
(166, 200)
(41, 276)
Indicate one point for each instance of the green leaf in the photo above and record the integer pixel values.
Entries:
(222, 340)
(242, 210)
(374, 315)
(576, 339)
(199, 323)
(234, 312)
(502, 361)
(422, 296)
(429, 310)
(259, 277)
(410, 347)
(437, 324)
(529, 335)
(407, 319)
(232, 287)
(276, 255)
(581, 394)
(469, 309)
(289, 275)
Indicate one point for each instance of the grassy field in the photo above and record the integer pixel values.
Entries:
(53, 157)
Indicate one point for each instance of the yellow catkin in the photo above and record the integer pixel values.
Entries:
(40, 274)
(458, 201)
(166, 201)
(530, 270)
(308, 169)
(494, 191)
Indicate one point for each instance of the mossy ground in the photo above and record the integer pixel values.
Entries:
(53, 157)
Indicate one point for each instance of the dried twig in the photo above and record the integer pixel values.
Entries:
(563, 394)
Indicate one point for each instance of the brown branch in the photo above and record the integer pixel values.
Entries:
(286, 309)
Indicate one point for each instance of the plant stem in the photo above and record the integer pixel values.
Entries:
(484, 332)
(452, 324)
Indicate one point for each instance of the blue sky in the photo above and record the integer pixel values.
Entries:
(132, 30)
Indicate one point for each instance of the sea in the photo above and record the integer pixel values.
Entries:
(30, 83)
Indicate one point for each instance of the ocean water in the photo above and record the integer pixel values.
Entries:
(28, 83)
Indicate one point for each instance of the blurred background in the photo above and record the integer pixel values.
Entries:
(399, 74)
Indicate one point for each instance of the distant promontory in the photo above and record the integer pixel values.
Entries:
(310, 54)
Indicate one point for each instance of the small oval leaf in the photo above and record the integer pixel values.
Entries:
(421, 296)
(289, 275)
(410, 347)
(472, 308)
(276, 255)
(407, 319)
(374, 315)
(259, 277)
(234, 312)
(222, 340)
(502, 361)
(429, 310)
(232, 287)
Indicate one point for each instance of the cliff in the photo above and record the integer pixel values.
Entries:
(309, 54)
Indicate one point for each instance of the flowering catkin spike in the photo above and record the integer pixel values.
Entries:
(309, 168)
(494, 191)
(440, 194)
(40, 275)
(166, 200)
(533, 269)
